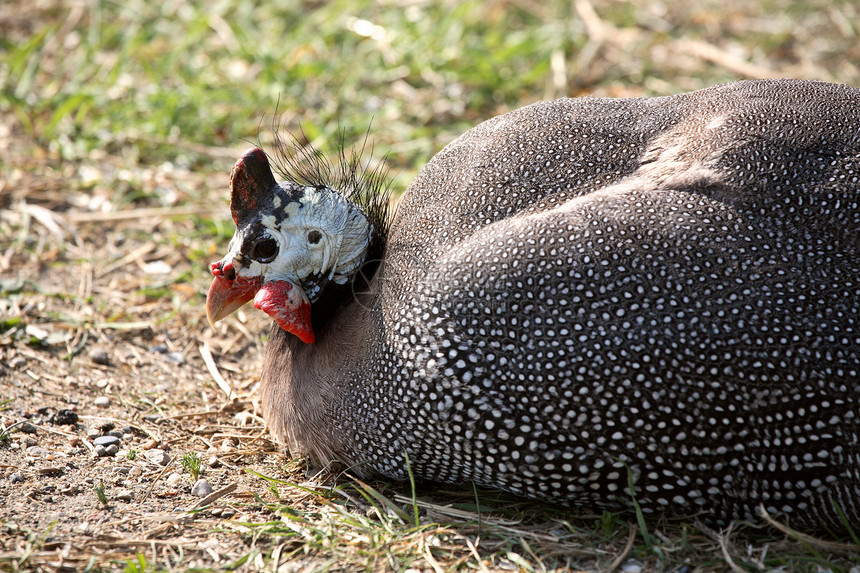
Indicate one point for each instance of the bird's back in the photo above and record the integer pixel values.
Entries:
(667, 290)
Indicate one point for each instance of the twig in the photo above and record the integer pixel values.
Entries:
(55, 431)
(474, 550)
(428, 556)
(50, 220)
(276, 556)
(141, 213)
(212, 497)
(213, 370)
(616, 563)
(89, 445)
(155, 480)
(191, 415)
(715, 55)
(723, 540)
(803, 537)
(138, 325)
(129, 257)
(596, 30)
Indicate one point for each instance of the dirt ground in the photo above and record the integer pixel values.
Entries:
(102, 332)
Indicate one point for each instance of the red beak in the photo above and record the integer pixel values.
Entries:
(226, 296)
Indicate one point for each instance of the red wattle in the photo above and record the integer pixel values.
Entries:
(289, 306)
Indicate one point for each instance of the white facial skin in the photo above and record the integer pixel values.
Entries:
(340, 230)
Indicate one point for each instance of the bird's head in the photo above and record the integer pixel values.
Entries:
(292, 240)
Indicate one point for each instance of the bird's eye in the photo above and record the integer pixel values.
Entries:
(314, 237)
(264, 251)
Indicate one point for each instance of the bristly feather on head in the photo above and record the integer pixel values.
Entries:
(343, 169)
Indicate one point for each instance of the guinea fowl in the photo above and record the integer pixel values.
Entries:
(577, 294)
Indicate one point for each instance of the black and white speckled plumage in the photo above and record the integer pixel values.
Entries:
(589, 287)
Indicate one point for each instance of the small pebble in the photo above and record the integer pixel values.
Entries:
(70, 489)
(100, 355)
(214, 462)
(74, 441)
(159, 349)
(65, 418)
(30, 441)
(112, 450)
(173, 479)
(157, 456)
(115, 433)
(227, 512)
(121, 470)
(102, 401)
(201, 488)
(175, 357)
(101, 451)
(49, 471)
(37, 451)
(16, 477)
(135, 471)
(28, 428)
(105, 441)
(150, 444)
(93, 433)
(18, 362)
(124, 495)
(127, 436)
(631, 566)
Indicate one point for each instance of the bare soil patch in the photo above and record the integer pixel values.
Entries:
(102, 335)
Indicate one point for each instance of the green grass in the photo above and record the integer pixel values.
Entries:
(7, 431)
(192, 464)
(189, 82)
(148, 80)
(171, 81)
(99, 490)
(379, 526)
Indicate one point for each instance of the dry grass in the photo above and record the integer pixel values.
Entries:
(118, 126)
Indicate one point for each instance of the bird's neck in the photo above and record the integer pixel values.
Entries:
(305, 385)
